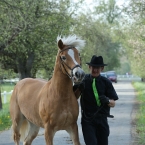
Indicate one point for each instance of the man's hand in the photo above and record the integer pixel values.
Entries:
(104, 99)
(78, 89)
(79, 86)
(112, 103)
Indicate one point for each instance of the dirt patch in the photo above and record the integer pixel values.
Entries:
(133, 123)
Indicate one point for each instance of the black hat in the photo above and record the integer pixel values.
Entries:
(96, 61)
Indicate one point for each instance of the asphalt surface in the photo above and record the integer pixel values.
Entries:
(120, 125)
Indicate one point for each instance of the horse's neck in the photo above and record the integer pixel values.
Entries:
(59, 77)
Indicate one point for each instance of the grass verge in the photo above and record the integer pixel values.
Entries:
(5, 121)
(140, 123)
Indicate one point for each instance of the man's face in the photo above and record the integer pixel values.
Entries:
(95, 71)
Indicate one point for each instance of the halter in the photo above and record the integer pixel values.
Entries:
(63, 63)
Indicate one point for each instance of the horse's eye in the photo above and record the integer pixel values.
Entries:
(63, 58)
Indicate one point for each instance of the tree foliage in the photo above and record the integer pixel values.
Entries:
(133, 36)
(32, 27)
(29, 30)
(108, 11)
(99, 41)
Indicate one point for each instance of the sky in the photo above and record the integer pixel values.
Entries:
(89, 4)
(119, 2)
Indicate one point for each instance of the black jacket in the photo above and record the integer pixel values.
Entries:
(104, 87)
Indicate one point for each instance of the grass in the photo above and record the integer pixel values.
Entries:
(5, 121)
(140, 124)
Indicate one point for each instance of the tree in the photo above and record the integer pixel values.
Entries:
(133, 36)
(108, 11)
(99, 41)
(135, 44)
(38, 23)
(0, 98)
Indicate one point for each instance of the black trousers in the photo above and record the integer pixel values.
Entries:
(95, 131)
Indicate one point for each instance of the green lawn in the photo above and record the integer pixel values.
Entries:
(5, 121)
(140, 123)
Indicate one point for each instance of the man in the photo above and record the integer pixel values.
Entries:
(98, 95)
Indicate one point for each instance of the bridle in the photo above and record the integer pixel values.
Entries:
(64, 64)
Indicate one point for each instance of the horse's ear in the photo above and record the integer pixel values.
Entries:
(60, 44)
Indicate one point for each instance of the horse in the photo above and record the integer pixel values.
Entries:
(51, 104)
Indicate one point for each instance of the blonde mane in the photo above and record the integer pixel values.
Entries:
(73, 40)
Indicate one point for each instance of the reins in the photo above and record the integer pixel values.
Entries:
(63, 63)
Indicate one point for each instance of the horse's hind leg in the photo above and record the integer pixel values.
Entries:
(17, 120)
(32, 133)
(16, 125)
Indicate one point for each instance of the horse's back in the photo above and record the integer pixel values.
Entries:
(28, 89)
(30, 82)
(25, 98)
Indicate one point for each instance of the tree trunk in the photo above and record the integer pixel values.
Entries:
(24, 66)
(1, 107)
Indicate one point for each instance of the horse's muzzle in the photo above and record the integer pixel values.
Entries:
(78, 75)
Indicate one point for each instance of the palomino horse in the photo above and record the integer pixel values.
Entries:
(49, 104)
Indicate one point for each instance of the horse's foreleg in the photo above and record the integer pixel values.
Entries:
(49, 134)
(73, 132)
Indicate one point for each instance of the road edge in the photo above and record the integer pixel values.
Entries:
(135, 109)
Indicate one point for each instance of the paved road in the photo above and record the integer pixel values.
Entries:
(120, 126)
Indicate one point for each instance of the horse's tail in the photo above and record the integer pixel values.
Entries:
(24, 130)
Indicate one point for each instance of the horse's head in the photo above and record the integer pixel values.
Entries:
(70, 58)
